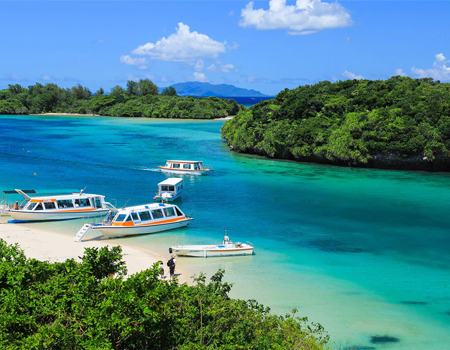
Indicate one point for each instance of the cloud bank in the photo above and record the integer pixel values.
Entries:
(182, 46)
(305, 17)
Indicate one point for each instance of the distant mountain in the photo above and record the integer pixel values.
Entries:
(206, 89)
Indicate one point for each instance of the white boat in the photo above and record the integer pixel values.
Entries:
(227, 248)
(169, 189)
(143, 219)
(191, 167)
(60, 207)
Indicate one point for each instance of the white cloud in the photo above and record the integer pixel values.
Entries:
(200, 77)
(439, 71)
(250, 79)
(348, 39)
(231, 13)
(306, 16)
(235, 46)
(333, 78)
(226, 68)
(100, 41)
(440, 57)
(305, 32)
(199, 65)
(400, 72)
(45, 77)
(211, 68)
(139, 62)
(131, 77)
(182, 46)
(351, 75)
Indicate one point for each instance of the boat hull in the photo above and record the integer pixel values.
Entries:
(182, 172)
(23, 215)
(211, 252)
(121, 231)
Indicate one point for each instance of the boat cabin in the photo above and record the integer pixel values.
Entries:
(67, 202)
(147, 214)
(184, 165)
(169, 189)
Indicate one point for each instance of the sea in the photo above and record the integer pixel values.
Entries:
(363, 252)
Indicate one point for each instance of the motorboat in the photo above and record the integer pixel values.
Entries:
(169, 189)
(190, 167)
(51, 207)
(227, 248)
(143, 219)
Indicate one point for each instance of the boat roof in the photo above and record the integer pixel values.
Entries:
(185, 161)
(171, 181)
(68, 196)
(149, 206)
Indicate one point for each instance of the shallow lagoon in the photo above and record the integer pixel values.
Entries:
(363, 252)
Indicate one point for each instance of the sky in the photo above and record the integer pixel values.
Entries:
(261, 45)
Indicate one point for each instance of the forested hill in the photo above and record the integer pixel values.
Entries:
(399, 123)
(194, 88)
(138, 99)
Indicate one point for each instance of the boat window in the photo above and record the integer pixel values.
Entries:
(171, 188)
(157, 213)
(39, 207)
(169, 212)
(186, 166)
(129, 218)
(176, 166)
(98, 202)
(197, 166)
(49, 205)
(164, 188)
(179, 213)
(66, 203)
(120, 217)
(135, 216)
(82, 202)
(30, 206)
(145, 216)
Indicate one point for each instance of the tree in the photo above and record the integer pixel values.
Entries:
(132, 88)
(100, 92)
(147, 87)
(81, 93)
(169, 91)
(118, 93)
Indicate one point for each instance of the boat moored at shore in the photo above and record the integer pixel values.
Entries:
(227, 248)
(189, 167)
(51, 207)
(143, 219)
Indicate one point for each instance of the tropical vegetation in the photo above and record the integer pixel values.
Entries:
(138, 99)
(94, 304)
(397, 123)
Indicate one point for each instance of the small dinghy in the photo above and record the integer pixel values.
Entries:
(227, 248)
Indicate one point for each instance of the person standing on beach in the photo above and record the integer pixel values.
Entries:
(171, 263)
(161, 270)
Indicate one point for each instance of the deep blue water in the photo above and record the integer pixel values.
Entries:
(364, 252)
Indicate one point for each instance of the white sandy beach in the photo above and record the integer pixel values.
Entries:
(98, 115)
(54, 247)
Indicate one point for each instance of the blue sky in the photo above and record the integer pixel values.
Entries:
(263, 47)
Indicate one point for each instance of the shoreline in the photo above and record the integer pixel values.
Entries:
(52, 246)
(110, 116)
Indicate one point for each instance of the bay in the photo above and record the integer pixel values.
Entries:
(363, 252)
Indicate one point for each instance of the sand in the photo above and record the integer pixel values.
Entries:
(55, 247)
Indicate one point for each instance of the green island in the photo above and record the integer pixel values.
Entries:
(139, 99)
(92, 304)
(399, 123)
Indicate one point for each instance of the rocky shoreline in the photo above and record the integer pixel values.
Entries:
(441, 163)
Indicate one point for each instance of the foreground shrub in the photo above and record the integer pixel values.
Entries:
(91, 305)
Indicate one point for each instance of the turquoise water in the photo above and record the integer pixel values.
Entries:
(363, 252)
